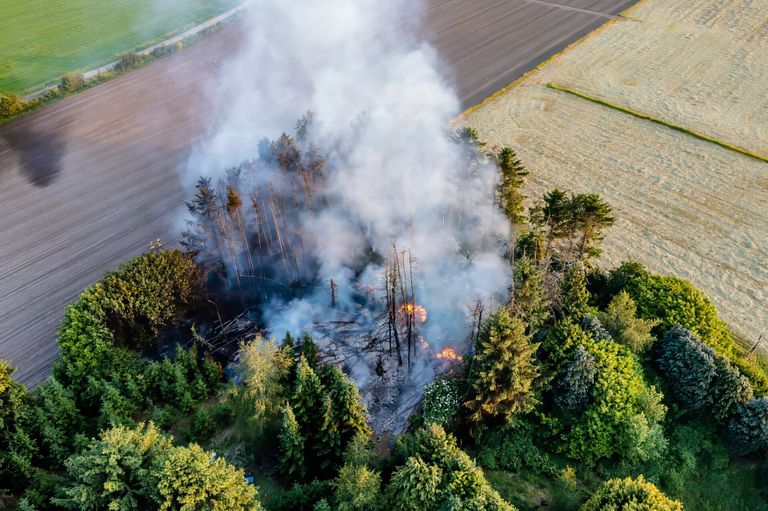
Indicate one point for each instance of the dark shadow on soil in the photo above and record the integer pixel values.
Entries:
(40, 153)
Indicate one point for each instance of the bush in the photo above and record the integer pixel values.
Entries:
(748, 429)
(11, 104)
(630, 495)
(72, 82)
(128, 61)
(514, 448)
(202, 426)
(441, 401)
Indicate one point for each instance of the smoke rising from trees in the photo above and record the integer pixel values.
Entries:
(380, 112)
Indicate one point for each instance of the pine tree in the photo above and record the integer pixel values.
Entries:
(310, 352)
(349, 410)
(291, 447)
(307, 398)
(594, 216)
(575, 385)
(502, 370)
(16, 447)
(574, 297)
(327, 442)
(513, 175)
(530, 300)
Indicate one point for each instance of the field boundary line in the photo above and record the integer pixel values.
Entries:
(662, 122)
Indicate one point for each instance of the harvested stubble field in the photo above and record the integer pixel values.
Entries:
(685, 206)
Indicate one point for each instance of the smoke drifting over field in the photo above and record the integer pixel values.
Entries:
(380, 110)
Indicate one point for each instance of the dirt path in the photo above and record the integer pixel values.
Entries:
(92, 180)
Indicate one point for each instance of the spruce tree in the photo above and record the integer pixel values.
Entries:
(310, 352)
(748, 429)
(574, 390)
(291, 446)
(502, 370)
(688, 365)
(307, 398)
(731, 388)
(574, 297)
(327, 441)
(349, 410)
(625, 327)
(513, 175)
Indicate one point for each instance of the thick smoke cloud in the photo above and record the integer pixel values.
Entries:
(381, 110)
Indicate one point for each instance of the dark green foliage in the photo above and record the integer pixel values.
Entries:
(301, 497)
(349, 412)
(291, 447)
(574, 388)
(510, 185)
(327, 438)
(748, 429)
(529, 298)
(688, 365)
(307, 398)
(515, 448)
(310, 352)
(591, 324)
(16, 447)
(630, 495)
(502, 369)
(698, 377)
(55, 421)
(574, 297)
(202, 426)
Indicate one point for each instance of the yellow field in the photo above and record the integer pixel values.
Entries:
(684, 206)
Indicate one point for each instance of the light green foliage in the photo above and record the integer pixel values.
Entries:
(291, 446)
(11, 104)
(509, 189)
(502, 370)
(436, 473)
(574, 297)
(441, 401)
(630, 495)
(71, 82)
(624, 326)
(529, 298)
(41, 40)
(192, 479)
(622, 407)
(748, 429)
(322, 505)
(357, 488)
(674, 301)
(262, 368)
(359, 451)
(117, 471)
(16, 447)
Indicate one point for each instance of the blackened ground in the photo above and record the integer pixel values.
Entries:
(92, 180)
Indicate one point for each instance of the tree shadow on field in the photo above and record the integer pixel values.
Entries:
(40, 153)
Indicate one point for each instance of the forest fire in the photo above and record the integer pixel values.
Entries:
(448, 354)
(415, 311)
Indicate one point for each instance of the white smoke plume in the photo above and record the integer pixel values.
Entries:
(380, 110)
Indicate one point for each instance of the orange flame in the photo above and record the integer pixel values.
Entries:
(449, 354)
(418, 312)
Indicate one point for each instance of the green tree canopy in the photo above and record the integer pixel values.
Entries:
(502, 369)
(630, 495)
(624, 326)
(16, 446)
(509, 189)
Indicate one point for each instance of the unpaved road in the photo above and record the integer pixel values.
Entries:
(91, 180)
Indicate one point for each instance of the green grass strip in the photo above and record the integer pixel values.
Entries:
(675, 127)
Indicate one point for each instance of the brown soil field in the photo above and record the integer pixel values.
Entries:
(91, 180)
(684, 206)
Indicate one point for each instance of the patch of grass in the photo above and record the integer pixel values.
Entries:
(534, 492)
(675, 127)
(40, 40)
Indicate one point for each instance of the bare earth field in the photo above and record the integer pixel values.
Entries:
(91, 180)
(684, 206)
